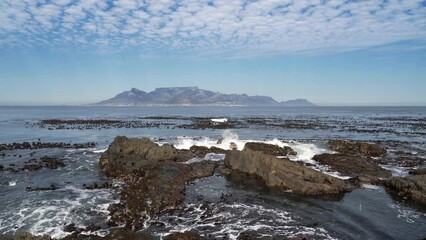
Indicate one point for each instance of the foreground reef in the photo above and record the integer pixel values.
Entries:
(155, 179)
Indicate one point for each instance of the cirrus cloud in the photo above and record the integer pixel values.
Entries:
(219, 27)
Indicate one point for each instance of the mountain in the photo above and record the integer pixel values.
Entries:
(191, 96)
(297, 103)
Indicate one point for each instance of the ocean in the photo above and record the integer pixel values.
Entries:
(365, 213)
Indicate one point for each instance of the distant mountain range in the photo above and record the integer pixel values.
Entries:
(193, 96)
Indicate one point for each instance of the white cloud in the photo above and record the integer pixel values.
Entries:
(231, 27)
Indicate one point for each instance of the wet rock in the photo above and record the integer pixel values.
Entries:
(201, 151)
(184, 236)
(411, 187)
(1, 167)
(353, 166)
(117, 234)
(40, 145)
(52, 163)
(270, 149)
(155, 182)
(92, 186)
(419, 171)
(50, 188)
(129, 155)
(284, 174)
(32, 167)
(357, 148)
(23, 236)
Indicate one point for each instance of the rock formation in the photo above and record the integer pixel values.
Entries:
(284, 174)
(357, 148)
(412, 187)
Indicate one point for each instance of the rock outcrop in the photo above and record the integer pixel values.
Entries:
(357, 148)
(412, 187)
(353, 166)
(285, 174)
(270, 149)
(155, 180)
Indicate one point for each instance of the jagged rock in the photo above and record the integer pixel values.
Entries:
(270, 149)
(411, 187)
(97, 186)
(155, 182)
(284, 174)
(52, 187)
(201, 151)
(23, 236)
(129, 155)
(184, 236)
(162, 188)
(419, 171)
(357, 148)
(52, 163)
(353, 166)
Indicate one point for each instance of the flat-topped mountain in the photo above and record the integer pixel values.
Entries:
(192, 96)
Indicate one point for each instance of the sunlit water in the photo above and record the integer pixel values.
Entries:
(366, 213)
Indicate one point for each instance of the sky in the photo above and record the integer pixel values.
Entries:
(331, 52)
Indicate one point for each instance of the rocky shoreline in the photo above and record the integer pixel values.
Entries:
(407, 126)
(155, 179)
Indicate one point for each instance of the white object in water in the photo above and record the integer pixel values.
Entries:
(219, 120)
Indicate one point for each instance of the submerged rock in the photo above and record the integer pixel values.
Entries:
(353, 166)
(285, 174)
(412, 187)
(270, 149)
(357, 148)
(184, 236)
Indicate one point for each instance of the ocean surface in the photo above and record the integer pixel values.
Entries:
(366, 213)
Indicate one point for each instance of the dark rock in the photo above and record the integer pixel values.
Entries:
(52, 163)
(357, 148)
(32, 167)
(270, 149)
(201, 151)
(184, 236)
(40, 145)
(50, 188)
(117, 234)
(129, 155)
(1, 167)
(412, 187)
(23, 236)
(97, 186)
(284, 174)
(70, 228)
(155, 182)
(419, 171)
(353, 166)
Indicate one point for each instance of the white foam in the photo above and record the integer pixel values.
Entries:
(396, 170)
(239, 217)
(100, 150)
(219, 120)
(49, 216)
(12, 183)
(369, 186)
(228, 137)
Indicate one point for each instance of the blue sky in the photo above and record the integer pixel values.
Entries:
(330, 52)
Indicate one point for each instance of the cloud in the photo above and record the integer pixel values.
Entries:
(211, 27)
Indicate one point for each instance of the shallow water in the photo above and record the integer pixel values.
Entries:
(366, 213)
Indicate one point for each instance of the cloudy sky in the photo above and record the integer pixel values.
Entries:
(330, 51)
